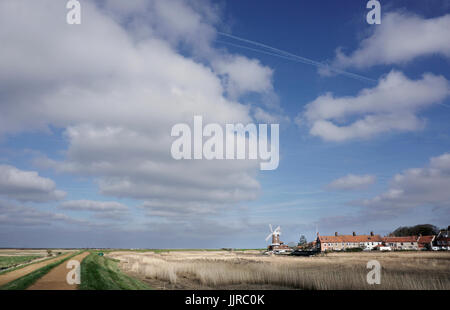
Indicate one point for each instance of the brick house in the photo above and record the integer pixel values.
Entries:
(442, 240)
(426, 242)
(402, 243)
(343, 242)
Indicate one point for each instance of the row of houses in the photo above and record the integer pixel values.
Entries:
(376, 242)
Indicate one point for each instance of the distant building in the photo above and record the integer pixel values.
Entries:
(425, 242)
(343, 242)
(375, 242)
(402, 243)
(442, 240)
(383, 248)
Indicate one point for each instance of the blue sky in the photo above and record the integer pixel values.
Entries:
(86, 112)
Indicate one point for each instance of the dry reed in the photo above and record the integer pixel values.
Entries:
(411, 270)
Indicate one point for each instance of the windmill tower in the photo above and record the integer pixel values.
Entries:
(275, 234)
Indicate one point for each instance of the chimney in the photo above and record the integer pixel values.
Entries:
(371, 233)
(336, 234)
(354, 234)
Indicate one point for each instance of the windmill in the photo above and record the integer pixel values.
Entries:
(275, 234)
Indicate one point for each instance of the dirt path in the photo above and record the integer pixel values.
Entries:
(56, 278)
(15, 274)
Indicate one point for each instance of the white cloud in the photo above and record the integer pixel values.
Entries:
(414, 193)
(110, 210)
(20, 215)
(175, 21)
(400, 38)
(272, 117)
(244, 75)
(352, 182)
(122, 159)
(95, 206)
(427, 186)
(390, 106)
(180, 210)
(117, 84)
(27, 185)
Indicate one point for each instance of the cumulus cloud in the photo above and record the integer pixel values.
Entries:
(27, 185)
(352, 182)
(390, 106)
(244, 75)
(117, 83)
(400, 38)
(270, 117)
(180, 210)
(111, 210)
(414, 191)
(95, 206)
(426, 186)
(122, 159)
(12, 214)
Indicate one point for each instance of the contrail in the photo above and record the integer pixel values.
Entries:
(348, 74)
(287, 55)
(444, 105)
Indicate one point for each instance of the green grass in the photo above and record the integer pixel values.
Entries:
(102, 273)
(29, 279)
(9, 261)
(24, 265)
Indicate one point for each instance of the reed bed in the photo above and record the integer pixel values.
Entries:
(221, 269)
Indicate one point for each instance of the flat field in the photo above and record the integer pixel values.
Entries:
(30, 252)
(252, 270)
(102, 273)
(10, 258)
(9, 261)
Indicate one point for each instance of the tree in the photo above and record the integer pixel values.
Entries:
(422, 229)
(302, 240)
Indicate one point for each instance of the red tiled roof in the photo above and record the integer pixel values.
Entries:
(426, 239)
(401, 239)
(350, 238)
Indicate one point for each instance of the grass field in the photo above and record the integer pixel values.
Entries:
(10, 261)
(101, 273)
(27, 280)
(43, 256)
(251, 270)
(32, 252)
